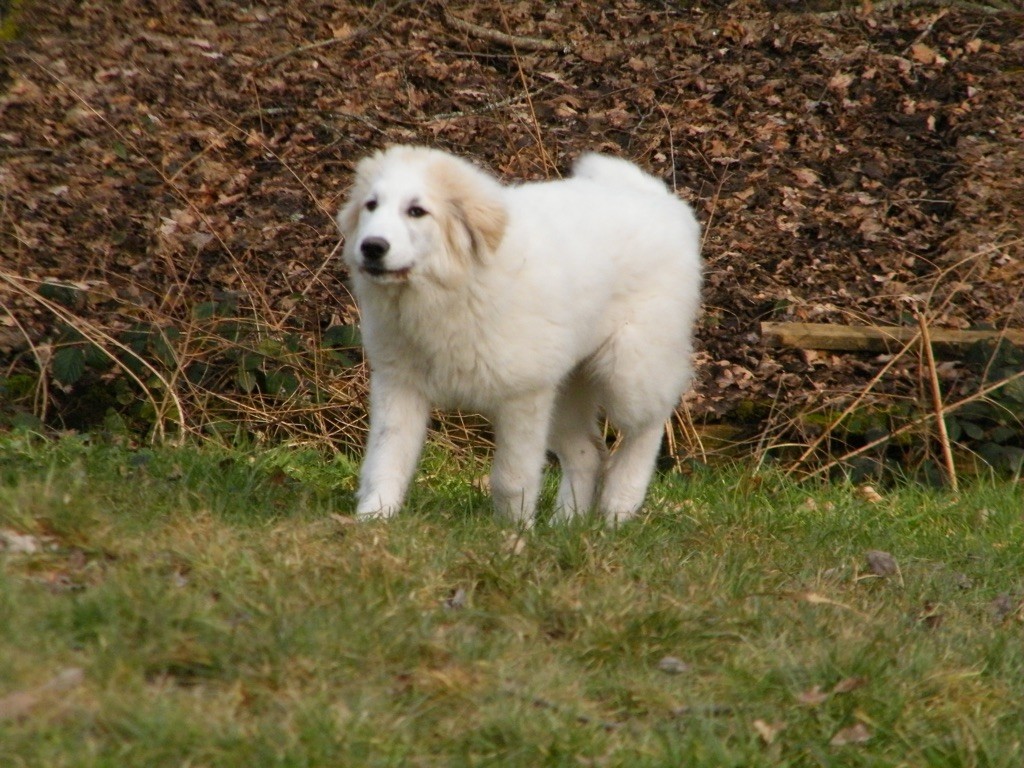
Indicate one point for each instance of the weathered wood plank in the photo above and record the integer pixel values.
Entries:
(872, 338)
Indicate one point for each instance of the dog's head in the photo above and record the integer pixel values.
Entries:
(416, 213)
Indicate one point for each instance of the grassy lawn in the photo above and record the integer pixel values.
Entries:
(212, 608)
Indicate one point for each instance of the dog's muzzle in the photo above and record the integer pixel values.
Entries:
(373, 250)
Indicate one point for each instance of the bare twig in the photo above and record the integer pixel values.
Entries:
(483, 109)
(515, 42)
(940, 422)
(355, 34)
(926, 31)
(850, 408)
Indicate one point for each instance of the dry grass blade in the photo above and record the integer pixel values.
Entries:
(550, 168)
(940, 422)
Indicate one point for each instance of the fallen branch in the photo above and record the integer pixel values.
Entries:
(315, 46)
(873, 338)
(991, 8)
(515, 42)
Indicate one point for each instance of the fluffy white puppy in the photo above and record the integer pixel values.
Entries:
(537, 305)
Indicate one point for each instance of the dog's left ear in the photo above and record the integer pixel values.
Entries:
(348, 216)
(477, 217)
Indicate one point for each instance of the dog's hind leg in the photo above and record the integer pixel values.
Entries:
(576, 440)
(629, 472)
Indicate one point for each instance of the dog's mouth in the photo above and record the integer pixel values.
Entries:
(384, 275)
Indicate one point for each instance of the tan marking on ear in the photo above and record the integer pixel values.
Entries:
(475, 221)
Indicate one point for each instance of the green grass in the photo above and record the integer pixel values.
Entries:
(223, 611)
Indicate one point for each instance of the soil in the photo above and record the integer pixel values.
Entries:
(851, 166)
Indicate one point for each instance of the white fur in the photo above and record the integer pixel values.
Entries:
(536, 305)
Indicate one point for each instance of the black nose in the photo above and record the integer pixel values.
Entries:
(374, 248)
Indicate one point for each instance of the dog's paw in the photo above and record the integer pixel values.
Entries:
(517, 516)
(615, 518)
(372, 509)
(375, 514)
(563, 515)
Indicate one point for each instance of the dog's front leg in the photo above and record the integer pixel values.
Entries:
(398, 425)
(520, 436)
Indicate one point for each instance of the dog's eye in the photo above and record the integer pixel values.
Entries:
(370, 205)
(416, 212)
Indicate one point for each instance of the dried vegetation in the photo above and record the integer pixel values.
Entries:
(171, 169)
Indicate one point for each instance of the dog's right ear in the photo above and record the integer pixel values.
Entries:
(348, 216)
(485, 218)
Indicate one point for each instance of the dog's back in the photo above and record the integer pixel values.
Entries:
(615, 172)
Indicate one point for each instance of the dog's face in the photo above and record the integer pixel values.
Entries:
(419, 214)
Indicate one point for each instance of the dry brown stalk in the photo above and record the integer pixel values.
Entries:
(940, 422)
(549, 167)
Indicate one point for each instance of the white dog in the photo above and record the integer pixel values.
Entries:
(536, 305)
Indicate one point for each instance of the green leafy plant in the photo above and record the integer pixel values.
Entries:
(218, 368)
(993, 427)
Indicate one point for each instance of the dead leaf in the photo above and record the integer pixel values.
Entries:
(768, 731)
(931, 616)
(20, 703)
(672, 666)
(840, 81)
(812, 697)
(805, 177)
(849, 684)
(1006, 606)
(924, 54)
(18, 543)
(457, 600)
(855, 734)
(869, 494)
(881, 563)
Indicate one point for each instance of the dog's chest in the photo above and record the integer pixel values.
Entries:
(451, 353)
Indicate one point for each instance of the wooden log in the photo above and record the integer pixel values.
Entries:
(874, 338)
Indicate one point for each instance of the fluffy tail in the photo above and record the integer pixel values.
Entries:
(617, 172)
